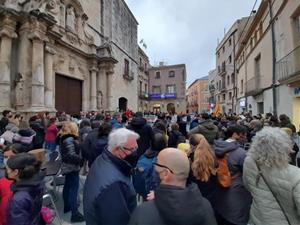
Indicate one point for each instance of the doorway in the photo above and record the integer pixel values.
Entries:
(68, 94)
(123, 104)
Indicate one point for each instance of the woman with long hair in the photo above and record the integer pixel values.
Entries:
(71, 161)
(204, 167)
(272, 181)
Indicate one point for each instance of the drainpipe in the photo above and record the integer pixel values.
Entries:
(273, 59)
(234, 96)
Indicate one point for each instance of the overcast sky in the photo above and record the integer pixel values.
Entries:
(186, 31)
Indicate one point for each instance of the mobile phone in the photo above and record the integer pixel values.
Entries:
(2, 141)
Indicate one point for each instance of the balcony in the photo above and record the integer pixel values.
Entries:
(143, 95)
(222, 69)
(128, 76)
(254, 86)
(288, 67)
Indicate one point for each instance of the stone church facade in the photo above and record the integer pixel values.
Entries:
(67, 55)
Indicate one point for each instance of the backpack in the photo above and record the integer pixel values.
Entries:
(223, 172)
(143, 175)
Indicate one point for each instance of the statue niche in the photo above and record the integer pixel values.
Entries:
(71, 19)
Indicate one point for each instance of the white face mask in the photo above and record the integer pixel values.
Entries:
(5, 161)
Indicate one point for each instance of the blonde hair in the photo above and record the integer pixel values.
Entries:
(204, 160)
(69, 128)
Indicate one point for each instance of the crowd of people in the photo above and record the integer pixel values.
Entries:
(201, 169)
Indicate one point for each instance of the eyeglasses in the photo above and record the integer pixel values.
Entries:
(163, 166)
(129, 149)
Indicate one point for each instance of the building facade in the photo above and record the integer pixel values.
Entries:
(225, 88)
(55, 57)
(212, 84)
(143, 82)
(167, 88)
(198, 96)
(265, 85)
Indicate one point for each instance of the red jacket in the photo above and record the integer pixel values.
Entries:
(51, 133)
(5, 196)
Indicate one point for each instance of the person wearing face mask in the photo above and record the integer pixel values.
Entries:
(109, 196)
(26, 202)
(175, 202)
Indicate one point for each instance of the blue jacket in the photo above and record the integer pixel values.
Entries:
(115, 124)
(25, 206)
(109, 196)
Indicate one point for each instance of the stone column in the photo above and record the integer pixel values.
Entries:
(102, 87)
(109, 90)
(7, 33)
(93, 98)
(49, 73)
(38, 79)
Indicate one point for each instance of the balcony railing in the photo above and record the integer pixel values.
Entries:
(289, 66)
(128, 76)
(254, 86)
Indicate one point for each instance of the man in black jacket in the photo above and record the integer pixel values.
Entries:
(4, 120)
(144, 130)
(175, 203)
(109, 196)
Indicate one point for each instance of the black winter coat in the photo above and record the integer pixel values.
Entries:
(140, 126)
(175, 206)
(70, 154)
(175, 137)
(39, 129)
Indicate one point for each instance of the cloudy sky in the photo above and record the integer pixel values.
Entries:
(186, 31)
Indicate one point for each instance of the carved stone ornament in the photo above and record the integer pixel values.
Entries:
(88, 36)
(72, 63)
(71, 19)
(72, 38)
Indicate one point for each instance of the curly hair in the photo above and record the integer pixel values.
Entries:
(204, 164)
(271, 147)
(69, 128)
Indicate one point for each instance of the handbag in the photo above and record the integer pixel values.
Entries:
(273, 193)
(48, 215)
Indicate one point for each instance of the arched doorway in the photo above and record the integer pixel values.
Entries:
(123, 104)
(171, 108)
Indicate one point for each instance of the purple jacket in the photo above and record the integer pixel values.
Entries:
(26, 203)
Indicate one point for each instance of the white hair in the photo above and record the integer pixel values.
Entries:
(271, 147)
(119, 137)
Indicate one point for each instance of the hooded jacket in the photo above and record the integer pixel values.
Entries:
(175, 206)
(26, 203)
(233, 203)
(140, 126)
(207, 129)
